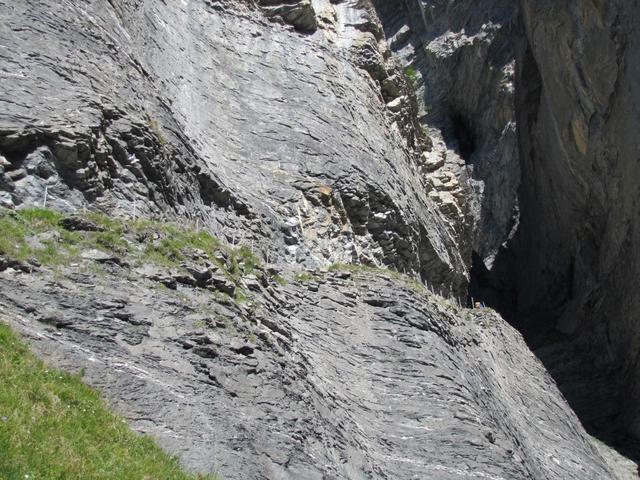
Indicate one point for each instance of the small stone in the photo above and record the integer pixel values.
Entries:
(345, 274)
(185, 279)
(396, 104)
(222, 284)
(200, 273)
(205, 351)
(6, 201)
(432, 161)
(400, 37)
(245, 349)
(56, 319)
(251, 282)
(16, 175)
(99, 256)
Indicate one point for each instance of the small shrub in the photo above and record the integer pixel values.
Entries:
(412, 75)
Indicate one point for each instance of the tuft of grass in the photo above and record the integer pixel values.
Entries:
(243, 260)
(412, 75)
(154, 126)
(52, 426)
(17, 226)
(304, 277)
(408, 281)
(161, 243)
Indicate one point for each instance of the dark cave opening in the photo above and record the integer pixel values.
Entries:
(465, 136)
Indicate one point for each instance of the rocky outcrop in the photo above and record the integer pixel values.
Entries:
(206, 111)
(460, 57)
(312, 133)
(334, 375)
(577, 249)
(299, 13)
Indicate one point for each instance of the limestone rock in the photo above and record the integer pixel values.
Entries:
(299, 13)
(575, 256)
(381, 372)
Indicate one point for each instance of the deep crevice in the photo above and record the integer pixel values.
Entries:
(464, 135)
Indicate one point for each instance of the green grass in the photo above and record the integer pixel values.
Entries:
(139, 241)
(408, 281)
(304, 277)
(412, 75)
(53, 427)
(16, 227)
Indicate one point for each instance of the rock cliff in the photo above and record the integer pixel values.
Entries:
(375, 162)
(577, 249)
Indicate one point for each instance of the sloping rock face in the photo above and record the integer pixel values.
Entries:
(292, 128)
(577, 253)
(337, 376)
(207, 111)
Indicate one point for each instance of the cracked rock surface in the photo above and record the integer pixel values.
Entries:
(205, 110)
(338, 376)
(316, 133)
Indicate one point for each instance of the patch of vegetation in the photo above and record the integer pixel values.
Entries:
(408, 281)
(304, 277)
(412, 75)
(52, 426)
(243, 260)
(17, 227)
(201, 324)
(154, 126)
(36, 235)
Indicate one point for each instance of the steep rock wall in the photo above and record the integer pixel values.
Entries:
(337, 376)
(577, 251)
(290, 128)
(208, 111)
(461, 56)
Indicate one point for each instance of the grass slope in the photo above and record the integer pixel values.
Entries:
(52, 427)
(35, 235)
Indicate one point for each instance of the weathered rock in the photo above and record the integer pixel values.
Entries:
(299, 13)
(221, 284)
(151, 141)
(575, 262)
(328, 390)
(320, 149)
(78, 223)
(99, 256)
(462, 56)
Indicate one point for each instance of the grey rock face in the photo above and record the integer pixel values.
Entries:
(462, 55)
(291, 127)
(205, 111)
(578, 258)
(299, 13)
(339, 377)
